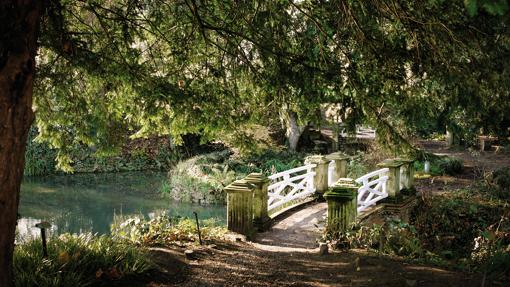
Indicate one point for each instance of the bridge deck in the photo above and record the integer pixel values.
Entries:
(300, 229)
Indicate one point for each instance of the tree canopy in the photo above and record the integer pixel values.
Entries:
(174, 67)
(189, 66)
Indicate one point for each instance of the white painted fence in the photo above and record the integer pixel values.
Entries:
(289, 185)
(373, 188)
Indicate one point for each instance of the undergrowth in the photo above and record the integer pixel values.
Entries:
(76, 260)
(462, 229)
(164, 229)
(202, 178)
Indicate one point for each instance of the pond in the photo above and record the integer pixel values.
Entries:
(89, 202)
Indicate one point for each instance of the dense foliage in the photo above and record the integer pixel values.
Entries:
(164, 229)
(207, 67)
(465, 229)
(202, 178)
(76, 260)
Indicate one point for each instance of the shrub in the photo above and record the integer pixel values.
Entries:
(76, 260)
(499, 183)
(394, 237)
(202, 178)
(164, 229)
(450, 165)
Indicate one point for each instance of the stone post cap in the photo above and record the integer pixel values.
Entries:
(345, 188)
(338, 156)
(405, 159)
(316, 159)
(256, 178)
(239, 186)
(390, 163)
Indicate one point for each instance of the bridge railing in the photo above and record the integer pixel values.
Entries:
(250, 201)
(373, 188)
(290, 185)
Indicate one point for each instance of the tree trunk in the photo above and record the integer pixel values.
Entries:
(19, 25)
(293, 130)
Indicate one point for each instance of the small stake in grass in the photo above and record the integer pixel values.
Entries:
(43, 225)
(198, 228)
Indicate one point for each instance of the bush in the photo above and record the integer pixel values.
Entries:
(202, 178)
(450, 165)
(394, 237)
(499, 183)
(164, 229)
(76, 260)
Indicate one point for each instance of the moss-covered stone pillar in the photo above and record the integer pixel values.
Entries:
(406, 173)
(393, 183)
(240, 207)
(342, 201)
(261, 218)
(341, 160)
(320, 180)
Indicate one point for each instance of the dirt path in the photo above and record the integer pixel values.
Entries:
(299, 230)
(243, 264)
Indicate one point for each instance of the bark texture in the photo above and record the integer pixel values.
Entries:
(293, 129)
(19, 25)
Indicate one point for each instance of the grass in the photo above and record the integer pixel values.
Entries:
(76, 260)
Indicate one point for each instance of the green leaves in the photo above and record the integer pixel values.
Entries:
(493, 7)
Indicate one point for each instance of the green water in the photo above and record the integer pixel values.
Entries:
(88, 202)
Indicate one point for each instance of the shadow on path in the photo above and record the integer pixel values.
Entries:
(300, 230)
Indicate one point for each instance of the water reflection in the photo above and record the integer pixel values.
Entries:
(88, 202)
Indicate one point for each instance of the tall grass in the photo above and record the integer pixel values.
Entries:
(76, 260)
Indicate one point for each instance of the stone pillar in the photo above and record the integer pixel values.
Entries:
(320, 181)
(261, 218)
(393, 183)
(341, 160)
(342, 201)
(240, 207)
(406, 173)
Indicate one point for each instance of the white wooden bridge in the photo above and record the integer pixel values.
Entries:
(298, 183)
(253, 201)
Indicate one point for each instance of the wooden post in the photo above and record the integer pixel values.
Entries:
(340, 161)
(261, 218)
(342, 201)
(321, 172)
(240, 207)
(393, 182)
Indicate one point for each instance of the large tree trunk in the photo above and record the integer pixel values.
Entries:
(19, 25)
(293, 129)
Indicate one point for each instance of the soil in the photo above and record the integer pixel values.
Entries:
(476, 165)
(288, 255)
(245, 264)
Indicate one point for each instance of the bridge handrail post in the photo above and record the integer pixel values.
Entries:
(340, 161)
(406, 173)
(342, 200)
(393, 182)
(261, 218)
(321, 172)
(240, 207)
